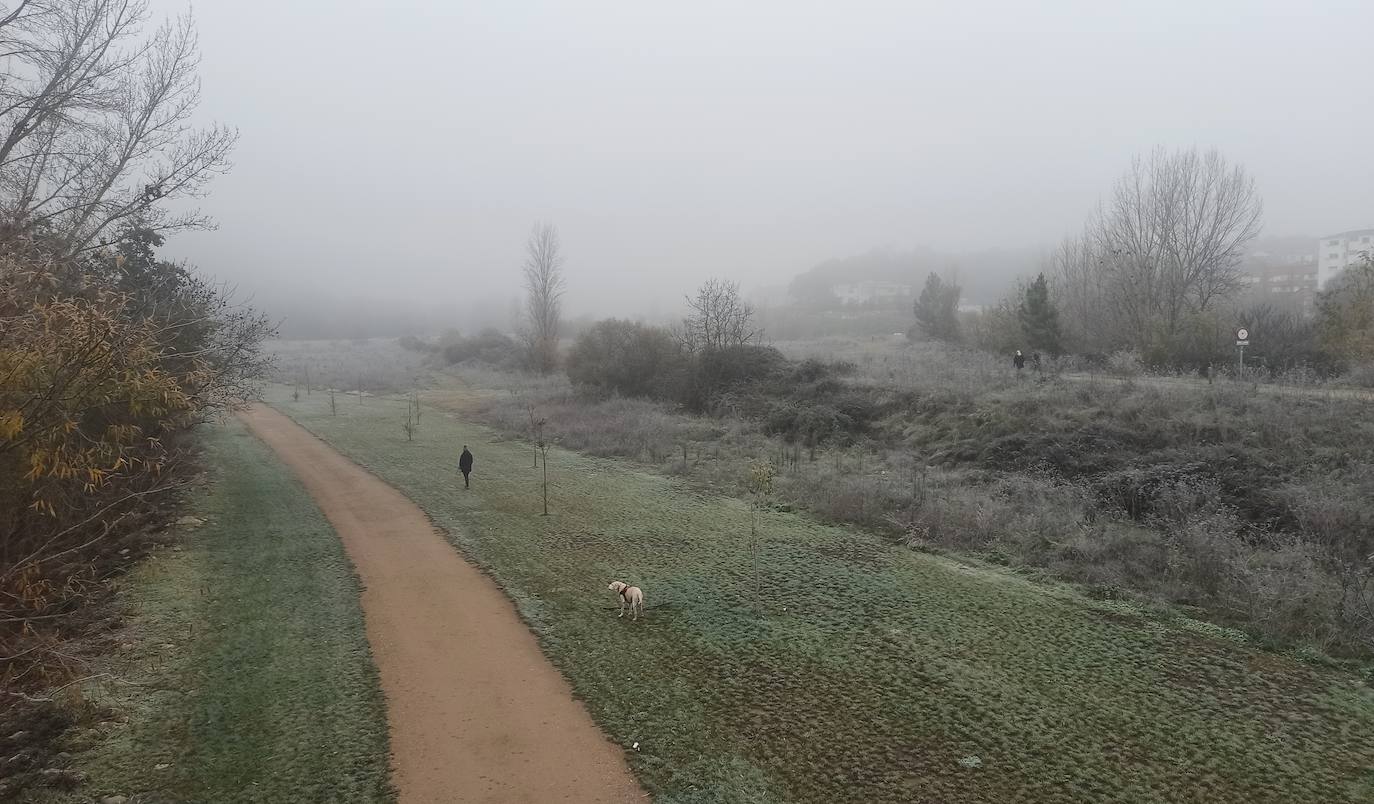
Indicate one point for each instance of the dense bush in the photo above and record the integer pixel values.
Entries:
(108, 360)
(997, 329)
(716, 378)
(489, 347)
(1192, 342)
(414, 344)
(1290, 341)
(809, 404)
(630, 359)
(627, 358)
(1346, 313)
(801, 401)
(809, 423)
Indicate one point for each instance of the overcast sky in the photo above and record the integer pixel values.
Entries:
(405, 148)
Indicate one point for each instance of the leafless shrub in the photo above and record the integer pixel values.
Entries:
(719, 319)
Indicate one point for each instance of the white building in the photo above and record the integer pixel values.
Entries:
(1335, 252)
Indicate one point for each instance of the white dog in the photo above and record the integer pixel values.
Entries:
(632, 596)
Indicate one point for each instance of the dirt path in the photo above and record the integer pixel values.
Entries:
(475, 711)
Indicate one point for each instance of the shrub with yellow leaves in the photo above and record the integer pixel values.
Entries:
(105, 365)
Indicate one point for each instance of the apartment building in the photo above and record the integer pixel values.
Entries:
(1288, 281)
(1335, 252)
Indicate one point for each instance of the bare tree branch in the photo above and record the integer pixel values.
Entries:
(95, 123)
(719, 318)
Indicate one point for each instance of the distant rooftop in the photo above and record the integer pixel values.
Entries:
(1351, 233)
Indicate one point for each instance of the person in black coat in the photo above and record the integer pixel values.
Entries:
(465, 465)
(1018, 360)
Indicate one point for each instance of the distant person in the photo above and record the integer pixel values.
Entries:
(1019, 361)
(465, 465)
(1035, 361)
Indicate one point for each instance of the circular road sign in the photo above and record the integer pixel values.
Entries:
(1242, 334)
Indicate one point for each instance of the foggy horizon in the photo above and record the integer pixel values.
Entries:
(405, 155)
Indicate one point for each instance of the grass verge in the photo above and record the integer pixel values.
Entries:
(857, 670)
(244, 673)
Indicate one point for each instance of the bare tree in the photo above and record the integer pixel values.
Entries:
(1171, 239)
(719, 318)
(544, 288)
(760, 484)
(1166, 247)
(95, 122)
(543, 447)
(1078, 283)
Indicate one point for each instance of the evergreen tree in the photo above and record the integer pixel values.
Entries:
(1039, 318)
(937, 309)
